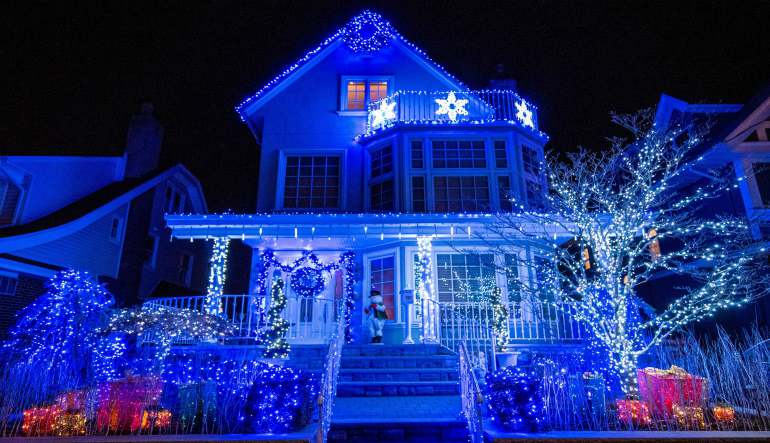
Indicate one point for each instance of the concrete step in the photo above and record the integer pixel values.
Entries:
(396, 374)
(410, 361)
(394, 350)
(433, 431)
(396, 388)
(396, 409)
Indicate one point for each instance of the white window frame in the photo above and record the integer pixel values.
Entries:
(343, 99)
(10, 276)
(6, 183)
(281, 179)
(392, 175)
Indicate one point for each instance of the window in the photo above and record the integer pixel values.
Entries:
(10, 195)
(418, 194)
(356, 96)
(534, 194)
(504, 190)
(501, 157)
(586, 259)
(654, 246)
(381, 196)
(174, 200)
(461, 277)
(762, 177)
(418, 156)
(115, 227)
(381, 161)
(461, 194)
(531, 160)
(359, 92)
(383, 279)
(312, 182)
(512, 278)
(7, 285)
(459, 154)
(377, 90)
(185, 269)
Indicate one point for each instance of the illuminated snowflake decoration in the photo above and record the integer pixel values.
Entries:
(451, 107)
(524, 114)
(381, 116)
(367, 33)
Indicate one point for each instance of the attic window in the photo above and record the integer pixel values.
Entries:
(358, 92)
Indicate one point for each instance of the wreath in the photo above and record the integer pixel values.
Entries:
(307, 282)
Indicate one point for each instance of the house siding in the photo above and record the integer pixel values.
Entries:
(28, 288)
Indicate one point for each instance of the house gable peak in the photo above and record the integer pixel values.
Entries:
(366, 33)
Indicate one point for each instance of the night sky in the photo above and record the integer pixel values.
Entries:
(73, 75)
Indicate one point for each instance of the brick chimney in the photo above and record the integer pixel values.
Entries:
(501, 79)
(143, 142)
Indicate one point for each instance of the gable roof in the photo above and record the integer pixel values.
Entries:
(367, 32)
(86, 210)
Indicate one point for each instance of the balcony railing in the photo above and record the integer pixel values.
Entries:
(420, 107)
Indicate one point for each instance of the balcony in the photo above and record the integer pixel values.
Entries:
(451, 107)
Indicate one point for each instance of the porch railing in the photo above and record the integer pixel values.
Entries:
(311, 320)
(472, 323)
(331, 375)
(470, 396)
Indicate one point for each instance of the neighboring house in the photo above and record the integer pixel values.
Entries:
(103, 215)
(739, 144)
(368, 145)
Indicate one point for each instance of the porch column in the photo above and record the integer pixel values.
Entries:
(217, 275)
(428, 303)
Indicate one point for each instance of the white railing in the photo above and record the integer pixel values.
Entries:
(472, 323)
(311, 320)
(470, 395)
(331, 374)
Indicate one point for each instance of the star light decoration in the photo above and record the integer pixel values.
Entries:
(382, 115)
(524, 114)
(451, 106)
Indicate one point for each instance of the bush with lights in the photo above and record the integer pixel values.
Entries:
(281, 399)
(514, 399)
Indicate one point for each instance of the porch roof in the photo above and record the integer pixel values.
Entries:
(361, 228)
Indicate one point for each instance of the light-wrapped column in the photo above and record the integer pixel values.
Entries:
(217, 276)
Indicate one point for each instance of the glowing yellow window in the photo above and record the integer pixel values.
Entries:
(377, 90)
(356, 96)
(586, 259)
(654, 247)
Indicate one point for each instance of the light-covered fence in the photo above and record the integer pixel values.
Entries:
(311, 320)
(472, 323)
(470, 395)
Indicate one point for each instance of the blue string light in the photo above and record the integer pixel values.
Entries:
(514, 400)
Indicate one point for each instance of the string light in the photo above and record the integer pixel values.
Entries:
(275, 335)
(217, 276)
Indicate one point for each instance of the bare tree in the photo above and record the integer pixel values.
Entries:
(615, 220)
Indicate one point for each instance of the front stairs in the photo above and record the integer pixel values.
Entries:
(398, 393)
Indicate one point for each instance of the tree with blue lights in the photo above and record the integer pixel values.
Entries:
(277, 326)
(616, 219)
(57, 335)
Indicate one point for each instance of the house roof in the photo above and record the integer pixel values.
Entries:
(89, 208)
(367, 32)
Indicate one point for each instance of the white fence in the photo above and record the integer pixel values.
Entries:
(472, 323)
(311, 320)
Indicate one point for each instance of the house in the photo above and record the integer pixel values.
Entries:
(103, 215)
(738, 143)
(369, 146)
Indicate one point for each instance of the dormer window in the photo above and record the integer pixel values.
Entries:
(10, 195)
(358, 92)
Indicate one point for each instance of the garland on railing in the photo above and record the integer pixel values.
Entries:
(346, 263)
(277, 326)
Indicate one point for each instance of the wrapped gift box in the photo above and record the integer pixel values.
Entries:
(633, 412)
(40, 421)
(661, 389)
(122, 402)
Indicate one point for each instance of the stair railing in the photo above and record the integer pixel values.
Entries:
(331, 375)
(470, 395)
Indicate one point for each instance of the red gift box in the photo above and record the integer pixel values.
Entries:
(122, 402)
(40, 421)
(661, 389)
